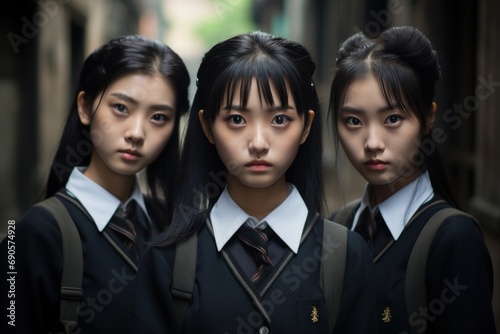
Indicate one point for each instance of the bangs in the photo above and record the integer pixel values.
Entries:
(399, 87)
(341, 83)
(268, 74)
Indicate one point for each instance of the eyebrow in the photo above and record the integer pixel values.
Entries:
(358, 111)
(131, 100)
(245, 109)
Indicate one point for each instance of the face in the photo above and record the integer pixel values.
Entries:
(258, 142)
(131, 126)
(381, 142)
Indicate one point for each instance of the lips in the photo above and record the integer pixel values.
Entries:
(376, 164)
(258, 165)
(130, 154)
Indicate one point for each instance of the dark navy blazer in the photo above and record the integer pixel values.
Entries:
(225, 301)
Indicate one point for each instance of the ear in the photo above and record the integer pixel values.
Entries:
(206, 127)
(307, 128)
(431, 117)
(83, 109)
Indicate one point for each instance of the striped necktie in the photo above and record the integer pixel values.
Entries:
(367, 225)
(123, 226)
(257, 240)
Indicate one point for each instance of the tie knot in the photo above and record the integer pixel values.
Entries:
(367, 223)
(127, 211)
(256, 239)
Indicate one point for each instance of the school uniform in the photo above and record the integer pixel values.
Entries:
(287, 299)
(459, 274)
(108, 268)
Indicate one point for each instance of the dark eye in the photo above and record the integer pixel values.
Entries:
(236, 119)
(393, 119)
(280, 120)
(353, 121)
(120, 107)
(159, 118)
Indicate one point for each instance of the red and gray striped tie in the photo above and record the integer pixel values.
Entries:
(122, 224)
(257, 239)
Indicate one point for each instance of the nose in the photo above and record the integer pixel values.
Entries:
(258, 140)
(374, 140)
(135, 131)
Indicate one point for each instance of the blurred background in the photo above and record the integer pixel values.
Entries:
(44, 42)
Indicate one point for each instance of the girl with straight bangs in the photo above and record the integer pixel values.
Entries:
(124, 119)
(250, 173)
(383, 111)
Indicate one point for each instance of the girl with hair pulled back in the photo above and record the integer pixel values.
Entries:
(250, 192)
(383, 111)
(124, 119)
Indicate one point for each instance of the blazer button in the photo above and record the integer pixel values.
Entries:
(263, 330)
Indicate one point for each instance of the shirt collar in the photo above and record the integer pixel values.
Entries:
(287, 220)
(99, 203)
(398, 209)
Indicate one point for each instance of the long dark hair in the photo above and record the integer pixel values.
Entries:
(231, 65)
(407, 68)
(122, 56)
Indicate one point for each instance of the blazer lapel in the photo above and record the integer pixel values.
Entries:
(415, 216)
(118, 248)
(281, 265)
(115, 244)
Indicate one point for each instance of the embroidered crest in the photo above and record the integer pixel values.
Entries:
(314, 315)
(386, 315)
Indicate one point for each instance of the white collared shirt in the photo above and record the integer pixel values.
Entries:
(398, 209)
(287, 220)
(100, 204)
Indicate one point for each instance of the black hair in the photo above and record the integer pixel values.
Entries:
(228, 66)
(122, 56)
(407, 68)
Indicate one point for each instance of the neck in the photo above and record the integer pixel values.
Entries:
(258, 202)
(120, 186)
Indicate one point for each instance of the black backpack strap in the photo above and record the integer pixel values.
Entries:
(71, 283)
(415, 289)
(184, 274)
(334, 252)
(343, 214)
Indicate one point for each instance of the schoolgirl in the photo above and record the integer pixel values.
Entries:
(124, 119)
(383, 112)
(251, 170)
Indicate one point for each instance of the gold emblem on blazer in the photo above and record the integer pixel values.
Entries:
(314, 315)
(386, 315)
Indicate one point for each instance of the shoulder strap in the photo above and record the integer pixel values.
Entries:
(415, 288)
(184, 274)
(71, 283)
(333, 259)
(343, 214)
